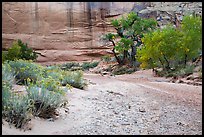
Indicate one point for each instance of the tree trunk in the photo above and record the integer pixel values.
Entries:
(168, 65)
(133, 53)
(120, 32)
(118, 59)
(125, 57)
(185, 61)
(134, 49)
(162, 63)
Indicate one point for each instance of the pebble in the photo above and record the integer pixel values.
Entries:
(142, 109)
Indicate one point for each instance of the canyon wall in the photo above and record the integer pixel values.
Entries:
(72, 31)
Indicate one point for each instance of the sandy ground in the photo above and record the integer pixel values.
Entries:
(134, 104)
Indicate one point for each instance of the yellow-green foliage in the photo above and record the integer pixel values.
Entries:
(159, 46)
(50, 84)
(74, 78)
(66, 78)
(192, 36)
(171, 47)
(25, 69)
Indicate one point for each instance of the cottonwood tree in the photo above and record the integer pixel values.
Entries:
(171, 48)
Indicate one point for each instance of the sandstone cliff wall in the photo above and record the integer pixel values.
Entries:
(66, 31)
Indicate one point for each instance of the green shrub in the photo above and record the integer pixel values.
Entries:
(4, 55)
(26, 69)
(106, 58)
(7, 75)
(88, 65)
(26, 52)
(53, 72)
(178, 72)
(73, 78)
(45, 102)
(185, 71)
(123, 70)
(16, 108)
(19, 50)
(6, 94)
(50, 84)
(43, 85)
(69, 65)
(73, 66)
(66, 77)
(14, 52)
(54, 75)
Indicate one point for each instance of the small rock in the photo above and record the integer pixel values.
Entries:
(95, 98)
(189, 77)
(200, 6)
(142, 110)
(50, 119)
(125, 123)
(197, 80)
(180, 123)
(115, 125)
(115, 112)
(159, 18)
(166, 17)
(66, 110)
(197, 83)
(123, 114)
(110, 106)
(179, 81)
(104, 73)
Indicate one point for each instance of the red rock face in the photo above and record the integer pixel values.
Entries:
(68, 31)
(60, 31)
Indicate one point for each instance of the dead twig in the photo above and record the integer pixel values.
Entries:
(115, 93)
